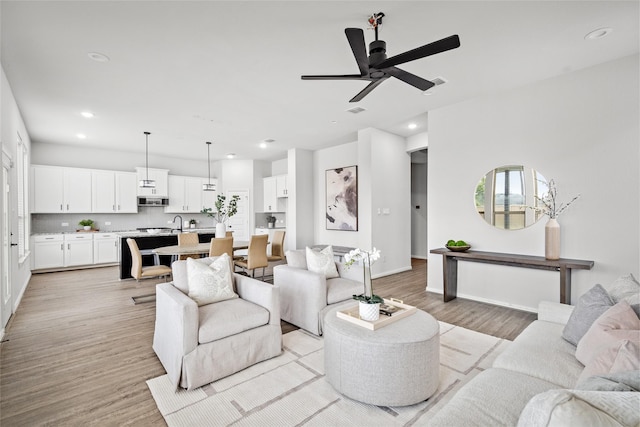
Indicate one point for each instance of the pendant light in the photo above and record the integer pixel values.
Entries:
(147, 183)
(209, 186)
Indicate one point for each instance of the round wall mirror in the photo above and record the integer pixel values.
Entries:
(503, 194)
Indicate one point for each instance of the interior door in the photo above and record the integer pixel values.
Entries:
(239, 223)
(5, 294)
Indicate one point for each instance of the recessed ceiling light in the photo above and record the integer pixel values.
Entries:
(333, 122)
(263, 144)
(81, 136)
(412, 126)
(87, 114)
(598, 34)
(98, 57)
(231, 155)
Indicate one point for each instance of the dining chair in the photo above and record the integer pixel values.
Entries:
(277, 247)
(256, 256)
(221, 246)
(139, 272)
(188, 239)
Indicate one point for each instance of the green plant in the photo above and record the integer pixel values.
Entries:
(457, 243)
(222, 213)
(271, 219)
(86, 223)
(367, 258)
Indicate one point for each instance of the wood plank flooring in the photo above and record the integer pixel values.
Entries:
(78, 352)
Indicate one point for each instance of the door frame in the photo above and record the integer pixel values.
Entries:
(6, 300)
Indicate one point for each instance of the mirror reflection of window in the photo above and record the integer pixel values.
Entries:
(503, 194)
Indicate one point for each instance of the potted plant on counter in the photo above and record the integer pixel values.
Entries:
(369, 307)
(222, 213)
(86, 224)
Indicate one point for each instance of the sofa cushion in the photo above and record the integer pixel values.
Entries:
(340, 289)
(210, 283)
(590, 306)
(322, 262)
(297, 258)
(492, 398)
(540, 351)
(230, 317)
(618, 323)
(581, 408)
(626, 288)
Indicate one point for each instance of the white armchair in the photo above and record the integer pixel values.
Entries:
(305, 296)
(198, 345)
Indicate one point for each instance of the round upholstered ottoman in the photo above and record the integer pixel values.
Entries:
(396, 365)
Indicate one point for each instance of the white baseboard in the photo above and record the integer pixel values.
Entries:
(488, 301)
(419, 256)
(1, 334)
(390, 272)
(23, 289)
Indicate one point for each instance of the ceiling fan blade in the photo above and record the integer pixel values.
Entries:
(448, 43)
(364, 92)
(412, 79)
(335, 77)
(355, 36)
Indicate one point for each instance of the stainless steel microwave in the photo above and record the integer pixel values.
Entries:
(152, 201)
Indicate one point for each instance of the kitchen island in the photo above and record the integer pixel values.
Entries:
(148, 241)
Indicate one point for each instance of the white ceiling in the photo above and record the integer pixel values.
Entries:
(229, 72)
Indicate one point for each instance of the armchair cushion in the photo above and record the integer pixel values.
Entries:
(322, 262)
(340, 289)
(210, 283)
(227, 318)
(181, 277)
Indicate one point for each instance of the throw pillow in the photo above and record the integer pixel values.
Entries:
(210, 283)
(626, 288)
(322, 262)
(296, 259)
(617, 323)
(623, 355)
(618, 381)
(590, 306)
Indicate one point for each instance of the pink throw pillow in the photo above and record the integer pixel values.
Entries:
(621, 356)
(614, 325)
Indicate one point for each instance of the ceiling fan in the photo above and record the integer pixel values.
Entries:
(376, 68)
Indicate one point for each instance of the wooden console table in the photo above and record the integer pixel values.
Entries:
(564, 266)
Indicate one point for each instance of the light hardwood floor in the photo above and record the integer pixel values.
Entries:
(78, 352)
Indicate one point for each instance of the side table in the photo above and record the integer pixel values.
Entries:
(396, 365)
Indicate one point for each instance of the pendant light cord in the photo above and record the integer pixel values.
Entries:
(146, 135)
(209, 161)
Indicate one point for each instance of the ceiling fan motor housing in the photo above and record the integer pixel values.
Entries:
(377, 52)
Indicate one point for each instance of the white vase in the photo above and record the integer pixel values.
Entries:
(87, 227)
(370, 312)
(221, 230)
(552, 239)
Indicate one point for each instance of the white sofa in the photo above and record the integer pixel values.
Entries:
(539, 360)
(305, 296)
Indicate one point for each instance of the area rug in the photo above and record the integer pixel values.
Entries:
(291, 390)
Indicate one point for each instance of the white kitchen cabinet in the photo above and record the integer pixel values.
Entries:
(185, 194)
(160, 176)
(61, 190)
(281, 186)
(270, 194)
(113, 192)
(78, 249)
(105, 248)
(48, 251)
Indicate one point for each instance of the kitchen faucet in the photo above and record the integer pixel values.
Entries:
(174, 221)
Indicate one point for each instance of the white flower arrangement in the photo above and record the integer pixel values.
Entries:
(549, 202)
(367, 258)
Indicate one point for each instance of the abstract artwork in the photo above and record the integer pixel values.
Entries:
(342, 198)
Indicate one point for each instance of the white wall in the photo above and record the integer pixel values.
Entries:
(300, 203)
(11, 124)
(384, 180)
(580, 129)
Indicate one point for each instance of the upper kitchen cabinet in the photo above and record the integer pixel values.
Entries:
(160, 176)
(185, 194)
(114, 192)
(61, 190)
(281, 186)
(270, 194)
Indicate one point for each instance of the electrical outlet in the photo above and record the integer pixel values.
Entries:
(65, 224)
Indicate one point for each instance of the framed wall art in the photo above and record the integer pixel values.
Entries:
(342, 198)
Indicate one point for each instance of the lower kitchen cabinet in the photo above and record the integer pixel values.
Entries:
(105, 248)
(78, 249)
(48, 251)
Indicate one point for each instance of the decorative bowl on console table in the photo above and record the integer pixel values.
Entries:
(458, 246)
